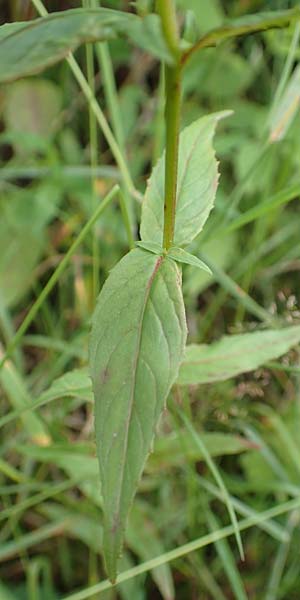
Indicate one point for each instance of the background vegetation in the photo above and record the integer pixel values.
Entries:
(55, 166)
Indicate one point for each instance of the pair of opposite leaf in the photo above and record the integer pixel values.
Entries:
(139, 329)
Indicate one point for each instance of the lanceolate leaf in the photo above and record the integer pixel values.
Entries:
(245, 26)
(197, 185)
(151, 247)
(235, 354)
(186, 258)
(137, 345)
(30, 47)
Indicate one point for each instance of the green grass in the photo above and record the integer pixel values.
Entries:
(60, 236)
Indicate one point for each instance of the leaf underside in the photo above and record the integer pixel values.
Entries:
(196, 188)
(137, 344)
(28, 48)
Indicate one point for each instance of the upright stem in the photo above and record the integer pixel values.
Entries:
(166, 10)
(172, 117)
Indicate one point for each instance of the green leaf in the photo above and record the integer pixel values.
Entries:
(76, 460)
(9, 28)
(178, 447)
(235, 354)
(137, 344)
(245, 26)
(151, 247)
(180, 255)
(197, 185)
(20, 398)
(73, 384)
(30, 47)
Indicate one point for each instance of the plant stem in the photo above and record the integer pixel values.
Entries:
(167, 12)
(172, 116)
(57, 273)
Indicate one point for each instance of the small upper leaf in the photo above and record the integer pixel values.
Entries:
(30, 47)
(186, 258)
(137, 345)
(235, 354)
(197, 185)
(151, 247)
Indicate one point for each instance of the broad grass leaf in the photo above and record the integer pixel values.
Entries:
(76, 460)
(74, 384)
(178, 447)
(31, 47)
(19, 397)
(235, 354)
(197, 184)
(137, 344)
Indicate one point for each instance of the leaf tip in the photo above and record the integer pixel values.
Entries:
(224, 114)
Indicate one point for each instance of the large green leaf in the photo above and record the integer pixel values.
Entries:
(244, 26)
(235, 354)
(31, 47)
(197, 185)
(137, 344)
